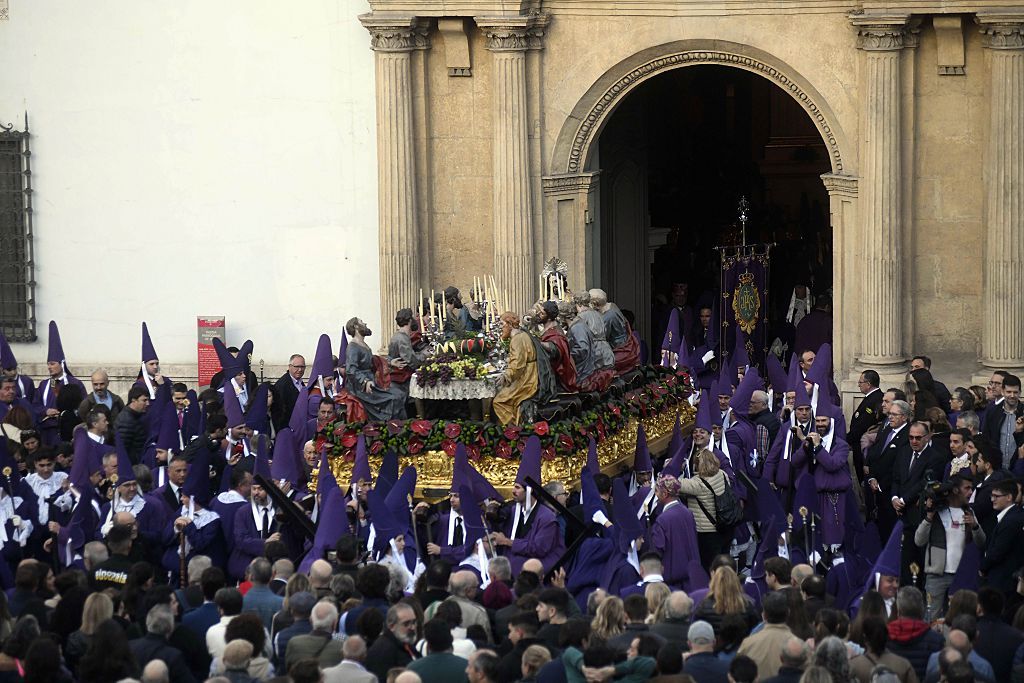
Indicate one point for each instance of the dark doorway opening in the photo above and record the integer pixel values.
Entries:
(675, 158)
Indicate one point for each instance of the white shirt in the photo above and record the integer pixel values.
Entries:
(1003, 512)
(44, 488)
(96, 437)
(953, 523)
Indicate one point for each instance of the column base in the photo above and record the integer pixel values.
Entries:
(881, 363)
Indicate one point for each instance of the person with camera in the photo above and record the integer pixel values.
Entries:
(948, 526)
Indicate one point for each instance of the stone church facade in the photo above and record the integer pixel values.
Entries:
(488, 116)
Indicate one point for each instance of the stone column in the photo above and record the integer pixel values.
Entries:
(1002, 342)
(882, 40)
(508, 39)
(393, 39)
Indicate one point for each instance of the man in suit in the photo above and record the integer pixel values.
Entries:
(286, 391)
(206, 615)
(990, 472)
(1004, 424)
(351, 669)
(167, 498)
(154, 645)
(997, 641)
(881, 459)
(1004, 552)
(867, 415)
(915, 464)
(255, 525)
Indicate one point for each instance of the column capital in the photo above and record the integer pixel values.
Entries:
(885, 32)
(839, 184)
(515, 33)
(389, 33)
(1002, 30)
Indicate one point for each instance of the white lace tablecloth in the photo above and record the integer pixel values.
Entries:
(456, 390)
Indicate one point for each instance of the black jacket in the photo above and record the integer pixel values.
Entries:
(1004, 552)
(387, 653)
(150, 647)
(908, 483)
(132, 433)
(982, 504)
(286, 395)
(993, 426)
(881, 459)
(866, 416)
(997, 642)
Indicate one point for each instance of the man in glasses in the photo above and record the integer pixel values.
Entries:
(1004, 552)
(286, 391)
(915, 465)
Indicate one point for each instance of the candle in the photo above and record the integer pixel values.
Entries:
(419, 305)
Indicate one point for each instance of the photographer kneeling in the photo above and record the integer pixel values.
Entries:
(946, 542)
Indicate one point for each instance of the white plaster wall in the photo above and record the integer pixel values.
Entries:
(196, 158)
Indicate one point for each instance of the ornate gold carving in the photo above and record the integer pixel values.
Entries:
(434, 468)
(621, 87)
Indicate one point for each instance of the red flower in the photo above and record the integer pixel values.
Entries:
(540, 428)
(371, 430)
(448, 446)
(339, 429)
(421, 427)
(548, 453)
(616, 411)
(452, 430)
(395, 427)
(349, 455)
(376, 447)
(349, 439)
(415, 445)
(565, 444)
(504, 449)
(473, 452)
(512, 432)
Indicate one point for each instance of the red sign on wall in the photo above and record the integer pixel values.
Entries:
(209, 328)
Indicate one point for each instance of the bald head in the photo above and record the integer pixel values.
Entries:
(679, 605)
(534, 565)
(794, 653)
(320, 574)
(124, 519)
(99, 376)
(156, 672)
(408, 677)
(354, 648)
(959, 641)
(801, 572)
(463, 584)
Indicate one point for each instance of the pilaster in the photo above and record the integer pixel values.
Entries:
(508, 39)
(881, 40)
(1002, 339)
(393, 39)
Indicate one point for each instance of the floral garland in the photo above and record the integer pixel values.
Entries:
(564, 438)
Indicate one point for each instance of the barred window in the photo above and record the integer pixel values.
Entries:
(17, 280)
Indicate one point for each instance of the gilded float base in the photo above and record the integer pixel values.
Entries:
(434, 468)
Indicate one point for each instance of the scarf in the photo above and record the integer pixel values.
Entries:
(791, 314)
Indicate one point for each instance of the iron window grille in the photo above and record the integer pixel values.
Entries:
(17, 267)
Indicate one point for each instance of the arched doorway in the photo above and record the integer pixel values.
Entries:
(675, 157)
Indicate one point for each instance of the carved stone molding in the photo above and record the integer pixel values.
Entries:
(611, 97)
(842, 185)
(514, 34)
(1002, 31)
(885, 33)
(568, 184)
(396, 34)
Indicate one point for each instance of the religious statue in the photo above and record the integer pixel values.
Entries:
(625, 347)
(456, 319)
(401, 348)
(369, 376)
(528, 376)
(556, 344)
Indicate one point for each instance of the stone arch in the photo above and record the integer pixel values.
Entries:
(584, 123)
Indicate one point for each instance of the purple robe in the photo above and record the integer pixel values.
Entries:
(585, 572)
(814, 329)
(783, 472)
(832, 480)
(149, 520)
(18, 403)
(204, 541)
(26, 388)
(226, 511)
(453, 554)
(247, 544)
(48, 431)
(543, 540)
(674, 537)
